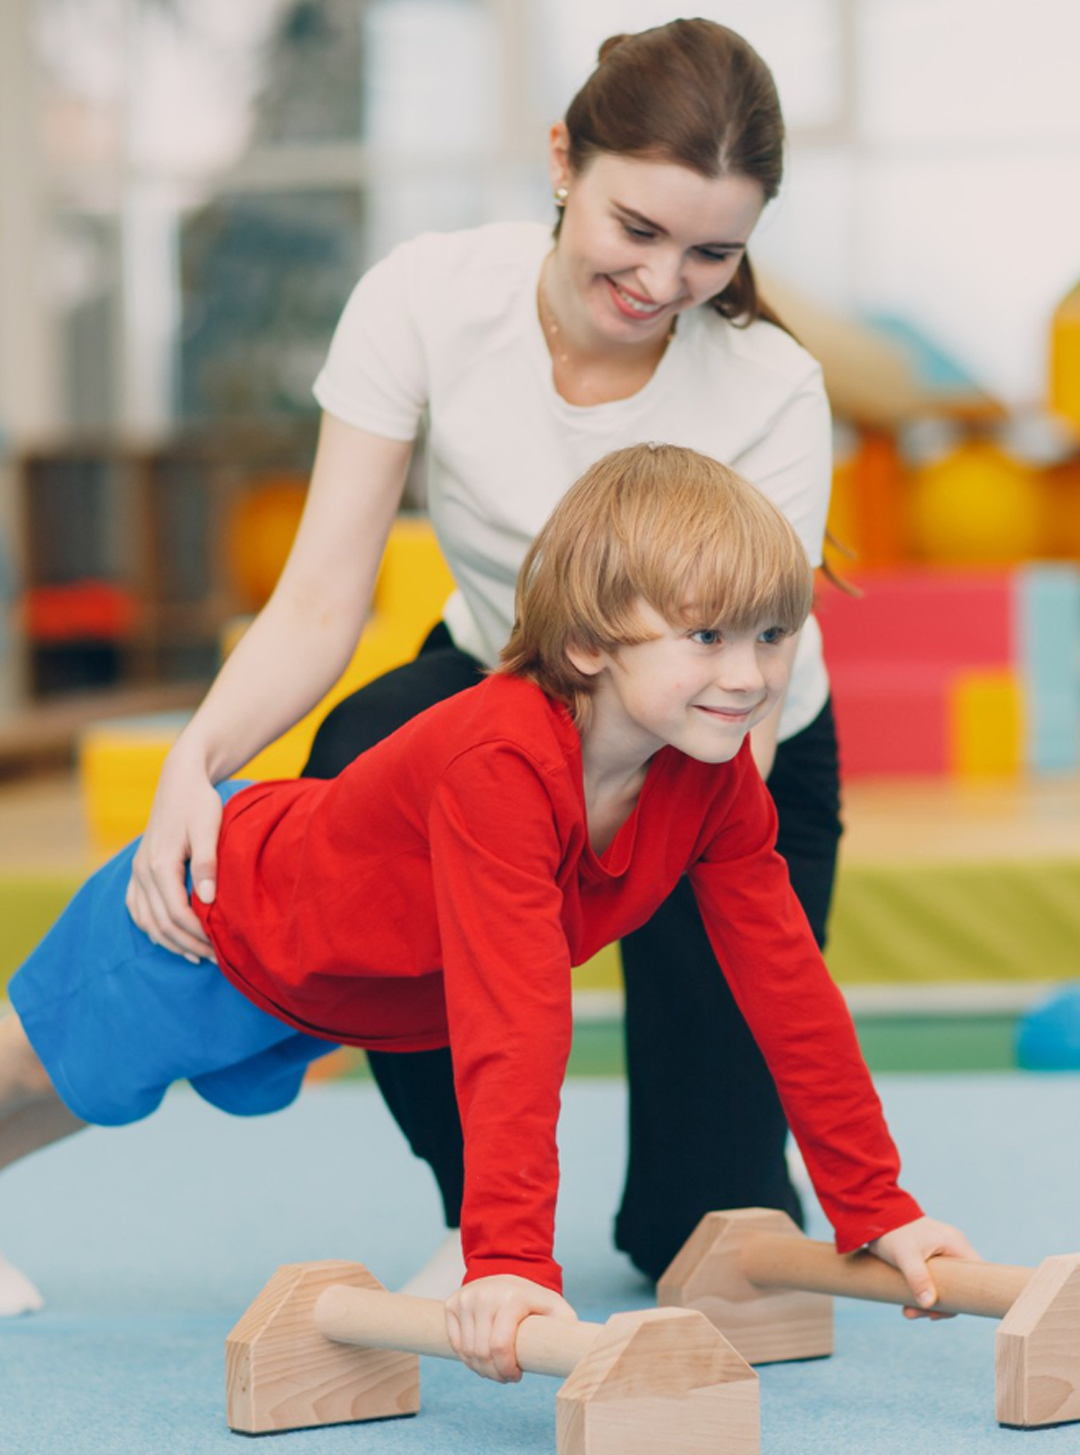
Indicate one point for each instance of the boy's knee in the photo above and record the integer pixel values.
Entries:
(22, 1063)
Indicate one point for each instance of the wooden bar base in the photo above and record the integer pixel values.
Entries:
(768, 1288)
(1037, 1349)
(766, 1325)
(282, 1374)
(324, 1343)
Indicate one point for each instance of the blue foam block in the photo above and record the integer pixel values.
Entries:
(1048, 642)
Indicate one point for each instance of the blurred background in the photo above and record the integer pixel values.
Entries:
(188, 191)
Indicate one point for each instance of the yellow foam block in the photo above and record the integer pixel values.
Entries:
(986, 724)
(120, 761)
(414, 580)
(411, 592)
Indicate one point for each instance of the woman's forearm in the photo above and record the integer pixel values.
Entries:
(302, 640)
(283, 665)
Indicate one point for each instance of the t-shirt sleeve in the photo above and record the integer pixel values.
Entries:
(800, 1021)
(375, 376)
(791, 461)
(495, 855)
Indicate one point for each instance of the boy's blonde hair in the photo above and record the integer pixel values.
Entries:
(660, 524)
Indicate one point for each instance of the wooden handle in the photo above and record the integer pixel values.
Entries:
(375, 1319)
(773, 1260)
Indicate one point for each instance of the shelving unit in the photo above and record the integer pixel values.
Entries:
(124, 560)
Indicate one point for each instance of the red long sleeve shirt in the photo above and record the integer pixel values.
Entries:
(439, 892)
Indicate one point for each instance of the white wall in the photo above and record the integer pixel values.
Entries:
(934, 164)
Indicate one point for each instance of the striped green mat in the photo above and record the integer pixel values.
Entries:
(1004, 924)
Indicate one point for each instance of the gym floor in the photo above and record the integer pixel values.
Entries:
(149, 1242)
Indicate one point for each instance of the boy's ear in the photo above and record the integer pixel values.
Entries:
(588, 660)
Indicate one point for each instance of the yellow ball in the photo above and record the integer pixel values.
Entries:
(259, 534)
(976, 506)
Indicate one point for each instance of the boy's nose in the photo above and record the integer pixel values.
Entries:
(740, 670)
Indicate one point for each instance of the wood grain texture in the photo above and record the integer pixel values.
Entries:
(1037, 1349)
(281, 1373)
(964, 1287)
(663, 1380)
(376, 1319)
(765, 1325)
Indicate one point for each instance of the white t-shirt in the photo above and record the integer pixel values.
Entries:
(445, 330)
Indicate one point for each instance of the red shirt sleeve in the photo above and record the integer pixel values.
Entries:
(800, 1021)
(496, 854)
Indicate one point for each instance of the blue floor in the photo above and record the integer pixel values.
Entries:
(149, 1242)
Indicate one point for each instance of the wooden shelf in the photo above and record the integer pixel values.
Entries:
(150, 521)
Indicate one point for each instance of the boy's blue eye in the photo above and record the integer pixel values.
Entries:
(705, 636)
(773, 635)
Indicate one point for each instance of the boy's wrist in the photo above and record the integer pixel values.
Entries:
(545, 1272)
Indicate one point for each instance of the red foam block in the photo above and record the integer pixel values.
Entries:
(893, 720)
(953, 618)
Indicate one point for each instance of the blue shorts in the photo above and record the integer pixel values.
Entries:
(116, 1019)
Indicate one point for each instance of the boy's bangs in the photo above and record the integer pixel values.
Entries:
(723, 584)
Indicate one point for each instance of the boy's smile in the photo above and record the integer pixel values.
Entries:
(696, 689)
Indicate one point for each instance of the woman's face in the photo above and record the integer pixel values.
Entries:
(642, 241)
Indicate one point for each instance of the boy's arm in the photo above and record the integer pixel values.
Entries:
(800, 1021)
(495, 856)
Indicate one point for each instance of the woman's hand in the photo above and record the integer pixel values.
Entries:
(183, 828)
(285, 662)
(907, 1249)
(482, 1321)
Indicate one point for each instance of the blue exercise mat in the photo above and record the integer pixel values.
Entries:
(149, 1242)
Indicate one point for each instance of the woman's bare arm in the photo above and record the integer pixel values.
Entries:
(290, 656)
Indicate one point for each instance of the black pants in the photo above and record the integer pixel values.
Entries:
(706, 1127)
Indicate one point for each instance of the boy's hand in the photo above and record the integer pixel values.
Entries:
(907, 1248)
(482, 1321)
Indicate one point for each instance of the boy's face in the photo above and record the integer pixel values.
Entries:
(694, 689)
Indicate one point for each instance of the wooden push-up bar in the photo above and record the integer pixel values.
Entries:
(324, 1343)
(754, 1275)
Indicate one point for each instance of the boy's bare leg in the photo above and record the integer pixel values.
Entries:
(33, 1127)
(31, 1116)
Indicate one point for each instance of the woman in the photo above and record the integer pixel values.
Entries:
(529, 361)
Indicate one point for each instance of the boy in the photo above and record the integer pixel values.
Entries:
(439, 891)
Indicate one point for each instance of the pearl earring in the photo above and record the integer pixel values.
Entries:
(560, 196)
